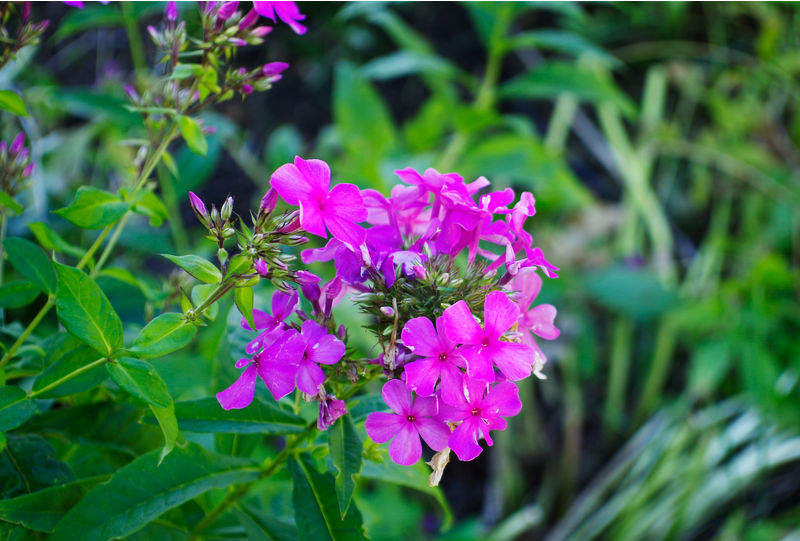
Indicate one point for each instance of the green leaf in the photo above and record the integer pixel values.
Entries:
(169, 427)
(239, 264)
(199, 294)
(8, 202)
(203, 270)
(316, 510)
(67, 363)
(142, 490)
(636, 292)
(404, 63)
(15, 407)
(183, 71)
(32, 263)
(149, 204)
(29, 464)
(12, 102)
(552, 79)
(85, 311)
(562, 42)
(17, 293)
(42, 510)
(193, 135)
(243, 296)
(93, 208)
(50, 240)
(207, 416)
(164, 334)
(140, 379)
(346, 453)
(258, 525)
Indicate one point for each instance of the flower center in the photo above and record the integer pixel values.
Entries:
(485, 343)
(443, 357)
(475, 411)
(410, 418)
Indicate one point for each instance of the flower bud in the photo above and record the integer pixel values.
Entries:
(227, 10)
(26, 12)
(260, 31)
(273, 68)
(132, 94)
(419, 272)
(261, 267)
(171, 13)
(294, 240)
(28, 170)
(387, 311)
(222, 255)
(237, 42)
(227, 209)
(269, 201)
(208, 7)
(248, 20)
(247, 89)
(16, 144)
(330, 409)
(197, 205)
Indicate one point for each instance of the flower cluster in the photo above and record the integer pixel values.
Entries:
(12, 40)
(15, 168)
(449, 277)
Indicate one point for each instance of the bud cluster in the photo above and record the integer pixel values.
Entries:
(15, 165)
(26, 33)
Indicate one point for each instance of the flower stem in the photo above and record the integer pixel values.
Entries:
(28, 330)
(66, 378)
(3, 221)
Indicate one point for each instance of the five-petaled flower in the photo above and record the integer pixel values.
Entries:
(288, 12)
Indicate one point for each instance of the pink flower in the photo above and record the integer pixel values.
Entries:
(197, 204)
(283, 305)
(227, 10)
(288, 12)
(330, 409)
(478, 413)
(482, 345)
(319, 348)
(538, 320)
(441, 359)
(306, 183)
(411, 419)
(171, 13)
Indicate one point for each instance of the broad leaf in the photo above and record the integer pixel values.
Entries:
(8, 202)
(67, 363)
(15, 407)
(203, 270)
(164, 334)
(85, 311)
(316, 510)
(207, 416)
(29, 464)
(50, 240)
(169, 427)
(42, 510)
(243, 297)
(149, 204)
(142, 491)
(11, 101)
(193, 135)
(346, 453)
(17, 293)
(258, 525)
(32, 263)
(140, 379)
(93, 208)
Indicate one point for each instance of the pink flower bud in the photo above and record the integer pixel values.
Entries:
(26, 12)
(197, 205)
(261, 31)
(227, 10)
(261, 267)
(237, 42)
(247, 89)
(171, 13)
(330, 409)
(419, 272)
(248, 20)
(3, 147)
(269, 201)
(16, 144)
(273, 68)
(208, 7)
(28, 170)
(387, 311)
(132, 94)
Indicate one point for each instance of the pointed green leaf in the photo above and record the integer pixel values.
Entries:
(50, 240)
(169, 427)
(203, 270)
(42, 510)
(93, 208)
(164, 334)
(8, 202)
(15, 407)
(17, 293)
(258, 525)
(32, 263)
(149, 204)
(67, 363)
(316, 510)
(85, 311)
(346, 453)
(243, 296)
(12, 102)
(207, 416)
(143, 490)
(193, 135)
(140, 379)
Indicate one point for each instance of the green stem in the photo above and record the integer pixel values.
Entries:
(3, 222)
(618, 376)
(66, 378)
(659, 369)
(560, 122)
(134, 39)
(28, 330)
(179, 236)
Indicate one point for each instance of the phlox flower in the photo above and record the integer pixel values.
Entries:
(283, 305)
(478, 412)
(482, 345)
(318, 347)
(288, 12)
(306, 183)
(534, 320)
(440, 359)
(412, 418)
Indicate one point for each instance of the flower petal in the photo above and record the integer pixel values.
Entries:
(344, 201)
(452, 384)
(435, 433)
(420, 337)
(240, 394)
(382, 427)
(464, 439)
(262, 320)
(479, 363)
(424, 406)
(309, 377)
(502, 400)
(543, 317)
(460, 326)
(422, 375)
(311, 218)
(406, 448)
(397, 396)
(514, 360)
(500, 313)
(283, 304)
(328, 350)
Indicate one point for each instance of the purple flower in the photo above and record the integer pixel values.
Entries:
(483, 345)
(74, 3)
(319, 348)
(288, 12)
(478, 413)
(538, 320)
(306, 183)
(269, 201)
(227, 10)
(283, 304)
(197, 204)
(412, 418)
(171, 13)
(17, 144)
(441, 359)
(330, 409)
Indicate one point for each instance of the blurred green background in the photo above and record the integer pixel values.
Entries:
(661, 143)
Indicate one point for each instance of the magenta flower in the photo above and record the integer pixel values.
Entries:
(306, 183)
(288, 12)
(319, 347)
(441, 359)
(276, 367)
(171, 12)
(283, 305)
(412, 418)
(330, 409)
(538, 320)
(478, 413)
(483, 345)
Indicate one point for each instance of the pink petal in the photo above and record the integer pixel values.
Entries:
(284, 304)
(397, 396)
(241, 363)
(460, 326)
(260, 318)
(406, 448)
(528, 283)
(309, 377)
(479, 364)
(422, 375)
(464, 439)
(514, 360)
(500, 313)
(289, 13)
(312, 332)
(502, 400)
(311, 218)
(452, 384)
(424, 407)
(420, 336)
(435, 433)
(346, 231)
(382, 427)
(291, 184)
(345, 202)
(278, 376)
(265, 9)
(445, 344)
(328, 350)
(240, 394)
(316, 172)
(543, 317)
